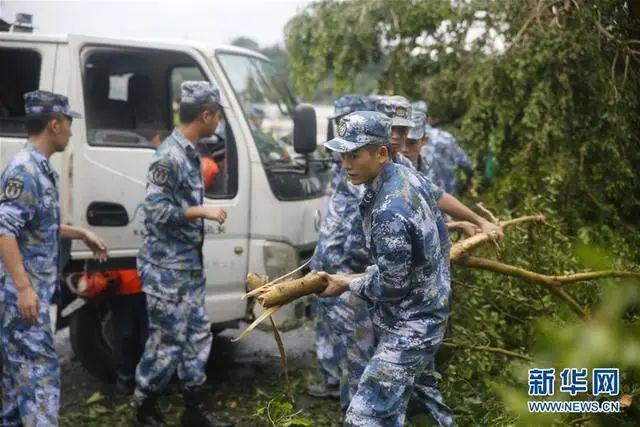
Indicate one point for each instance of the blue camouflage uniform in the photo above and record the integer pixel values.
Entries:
(444, 155)
(170, 262)
(361, 343)
(30, 212)
(409, 286)
(360, 339)
(330, 255)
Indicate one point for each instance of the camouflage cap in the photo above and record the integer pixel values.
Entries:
(420, 106)
(397, 108)
(348, 104)
(44, 102)
(420, 120)
(199, 92)
(360, 128)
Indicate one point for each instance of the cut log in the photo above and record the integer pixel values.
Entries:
(254, 281)
(288, 291)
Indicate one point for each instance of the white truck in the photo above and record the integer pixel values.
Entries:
(126, 91)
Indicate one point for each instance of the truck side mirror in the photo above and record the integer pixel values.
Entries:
(304, 129)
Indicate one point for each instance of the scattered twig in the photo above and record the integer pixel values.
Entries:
(283, 358)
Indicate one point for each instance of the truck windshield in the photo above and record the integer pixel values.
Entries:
(267, 104)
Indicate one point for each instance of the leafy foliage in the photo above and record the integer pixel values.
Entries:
(279, 411)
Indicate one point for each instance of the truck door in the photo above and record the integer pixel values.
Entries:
(128, 93)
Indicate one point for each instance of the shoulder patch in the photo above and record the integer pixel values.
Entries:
(13, 189)
(159, 173)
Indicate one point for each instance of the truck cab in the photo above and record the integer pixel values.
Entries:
(128, 93)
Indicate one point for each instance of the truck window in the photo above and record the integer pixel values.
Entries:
(125, 96)
(267, 104)
(19, 73)
(219, 156)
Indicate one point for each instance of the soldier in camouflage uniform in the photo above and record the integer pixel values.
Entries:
(402, 115)
(416, 139)
(341, 107)
(334, 254)
(358, 333)
(30, 233)
(170, 263)
(444, 154)
(409, 283)
(398, 109)
(414, 150)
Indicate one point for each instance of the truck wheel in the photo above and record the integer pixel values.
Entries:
(90, 333)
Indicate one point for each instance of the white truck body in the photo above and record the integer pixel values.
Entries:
(263, 233)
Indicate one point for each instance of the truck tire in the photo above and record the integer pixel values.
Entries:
(90, 328)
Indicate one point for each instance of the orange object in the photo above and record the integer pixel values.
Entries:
(129, 282)
(210, 170)
(92, 286)
(123, 282)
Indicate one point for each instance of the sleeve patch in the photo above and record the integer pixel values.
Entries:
(159, 174)
(13, 189)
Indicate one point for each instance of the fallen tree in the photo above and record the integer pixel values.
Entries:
(283, 290)
(273, 295)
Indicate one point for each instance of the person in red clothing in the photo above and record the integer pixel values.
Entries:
(210, 170)
(129, 322)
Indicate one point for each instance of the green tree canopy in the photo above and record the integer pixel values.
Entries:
(551, 87)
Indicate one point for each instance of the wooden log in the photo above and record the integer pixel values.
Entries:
(288, 291)
(254, 281)
(261, 289)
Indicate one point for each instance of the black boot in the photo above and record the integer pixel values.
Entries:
(148, 414)
(196, 415)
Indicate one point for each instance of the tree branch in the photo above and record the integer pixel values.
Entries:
(487, 212)
(459, 248)
(510, 270)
